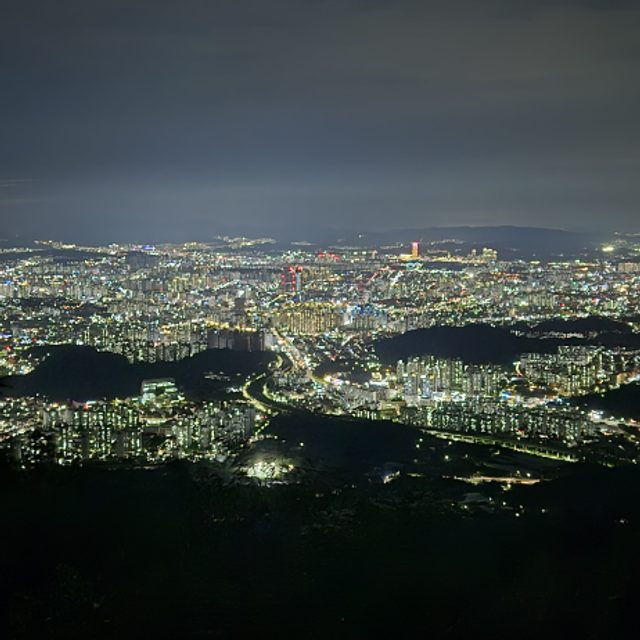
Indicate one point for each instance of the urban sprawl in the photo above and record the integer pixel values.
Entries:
(321, 314)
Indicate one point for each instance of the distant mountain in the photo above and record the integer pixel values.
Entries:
(529, 240)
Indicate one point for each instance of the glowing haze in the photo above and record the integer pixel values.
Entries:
(160, 120)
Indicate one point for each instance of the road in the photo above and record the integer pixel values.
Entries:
(531, 448)
(254, 389)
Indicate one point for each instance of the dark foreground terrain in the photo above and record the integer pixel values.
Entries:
(195, 550)
(176, 552)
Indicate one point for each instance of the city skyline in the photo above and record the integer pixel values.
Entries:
(319, 318)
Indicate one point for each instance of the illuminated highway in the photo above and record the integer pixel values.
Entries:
(530, 448)
(254, 389)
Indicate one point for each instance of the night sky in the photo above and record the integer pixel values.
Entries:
(154, 120)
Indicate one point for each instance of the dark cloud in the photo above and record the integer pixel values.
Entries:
(172, 118)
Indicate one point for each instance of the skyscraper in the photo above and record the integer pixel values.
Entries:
(292, 279)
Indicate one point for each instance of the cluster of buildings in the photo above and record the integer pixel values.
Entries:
(578, 370)
(157, 426)
(565, 424)
(429, 378)
(169, 302)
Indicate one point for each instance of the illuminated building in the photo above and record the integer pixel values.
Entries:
(161, 389)
(236, 340)
(308, 318)
(291, 280)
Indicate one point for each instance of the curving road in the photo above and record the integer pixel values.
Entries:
(254, 389)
